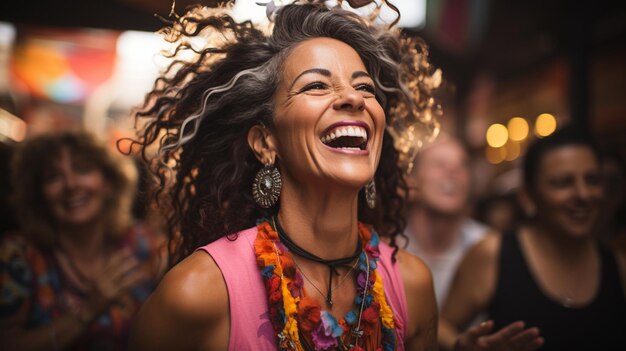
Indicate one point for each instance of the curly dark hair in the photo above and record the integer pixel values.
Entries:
(196, 117)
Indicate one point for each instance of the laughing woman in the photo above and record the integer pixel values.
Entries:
(280, 157)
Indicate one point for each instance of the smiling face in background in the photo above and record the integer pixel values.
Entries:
(568, 190)
(74, 189)
(328, 124)
(441, 179)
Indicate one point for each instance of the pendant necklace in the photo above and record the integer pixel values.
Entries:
(331, 264)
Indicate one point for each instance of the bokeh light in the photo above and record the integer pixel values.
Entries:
(11, 127)
(545, 125)
(512, 150)
(497, 135)
(518, 129)
(495, 155)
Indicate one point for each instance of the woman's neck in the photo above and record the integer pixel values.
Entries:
(434, 233)
(323, 223)
(83, 242)
(559, 244)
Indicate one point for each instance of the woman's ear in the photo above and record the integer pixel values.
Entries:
(263, 144)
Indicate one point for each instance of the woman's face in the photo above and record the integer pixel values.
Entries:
(74, 190)
(442, 178)
(568, 190)
(329, 125)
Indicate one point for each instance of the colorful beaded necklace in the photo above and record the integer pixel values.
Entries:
(298, 319)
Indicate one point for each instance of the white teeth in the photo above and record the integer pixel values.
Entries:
(76, 202)
(352, 131)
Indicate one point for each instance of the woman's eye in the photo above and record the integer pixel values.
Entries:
(51, 177)
(561, 182)
(593, 179)
(314, 86)
(83, 168)
(366, 87)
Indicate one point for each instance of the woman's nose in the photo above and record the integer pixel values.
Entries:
(350, 100)
(70, 180)
(584, 191)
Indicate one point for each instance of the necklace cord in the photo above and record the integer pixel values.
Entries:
(345, 277)
(332, 264)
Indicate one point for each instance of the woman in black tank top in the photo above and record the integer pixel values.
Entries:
(549, 285)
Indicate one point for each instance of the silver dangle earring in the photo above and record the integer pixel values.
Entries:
(266, 186)
(370, 194)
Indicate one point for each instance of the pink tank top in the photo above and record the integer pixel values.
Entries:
(250, 327)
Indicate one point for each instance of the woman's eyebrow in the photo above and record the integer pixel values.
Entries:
(321, 71)
(358, 74)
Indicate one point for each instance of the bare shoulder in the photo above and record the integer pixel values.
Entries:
(187, 286)
(421, 303)
(485, 251)
(477, 270)
(474, 282)
(189, 306)
(416, 275)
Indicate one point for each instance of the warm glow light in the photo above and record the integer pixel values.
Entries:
(495, 155)
(252, 10)
(545, 125)
(497, 135)
(139, 61)
(11, 127)
(518, 129)
(7, 33)
(413, 11)
(512, 150)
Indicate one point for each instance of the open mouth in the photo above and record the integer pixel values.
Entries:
(352, 137)
(448, 188)
(74, 202)
(580, 214)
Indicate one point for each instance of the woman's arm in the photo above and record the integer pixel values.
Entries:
(188, 310)
(116, 277)
(59, 334)
(472, 289)
(18, 287)
(421, 303)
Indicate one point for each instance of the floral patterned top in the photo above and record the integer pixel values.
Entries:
(32, 282)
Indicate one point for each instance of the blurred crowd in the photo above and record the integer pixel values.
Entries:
(78, 253)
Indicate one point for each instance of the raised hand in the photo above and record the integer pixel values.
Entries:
(513, 337)
(119, 274)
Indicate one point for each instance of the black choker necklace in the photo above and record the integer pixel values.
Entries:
(332, 264)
